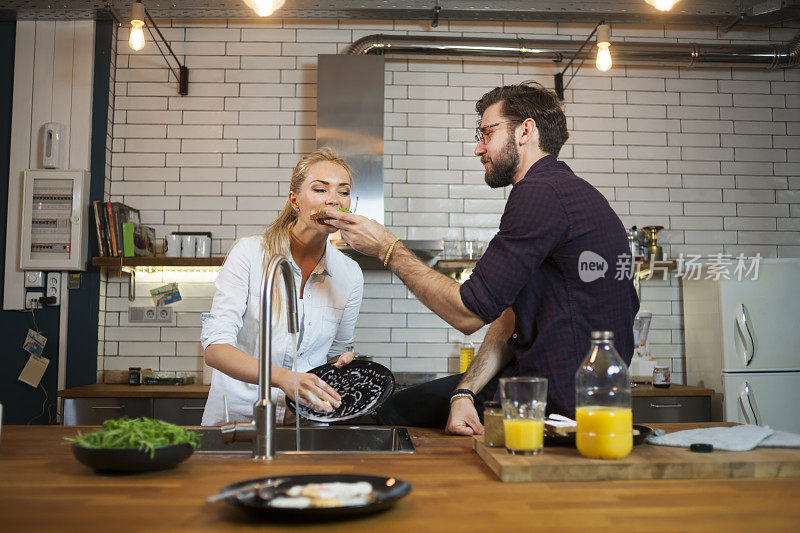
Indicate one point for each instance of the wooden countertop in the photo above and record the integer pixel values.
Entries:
(197, 390)
(123, 390)
(43, 488)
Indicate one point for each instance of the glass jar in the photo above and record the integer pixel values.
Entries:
(603, 401)
(134, 375)
(493, 436)
(661, 377)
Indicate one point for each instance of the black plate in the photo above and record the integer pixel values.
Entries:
(363, 385)
(386, 491)
(131, 459)
(569, 440)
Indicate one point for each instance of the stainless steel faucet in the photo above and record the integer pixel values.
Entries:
(262, 428)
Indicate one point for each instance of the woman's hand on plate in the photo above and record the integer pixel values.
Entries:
(313, 391)
(343, 360)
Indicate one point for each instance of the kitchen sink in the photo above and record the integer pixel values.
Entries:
(316, 440)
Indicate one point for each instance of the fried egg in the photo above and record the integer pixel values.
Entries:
(336, 494)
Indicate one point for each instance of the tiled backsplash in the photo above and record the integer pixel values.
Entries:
(711, 154)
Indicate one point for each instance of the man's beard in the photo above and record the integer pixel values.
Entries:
(503, 167)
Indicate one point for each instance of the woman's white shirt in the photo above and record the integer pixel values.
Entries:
(329, 309)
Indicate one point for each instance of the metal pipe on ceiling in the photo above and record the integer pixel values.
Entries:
(769, 56)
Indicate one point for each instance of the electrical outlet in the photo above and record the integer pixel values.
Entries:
(32, 299)
(53, 288)
(150, 315)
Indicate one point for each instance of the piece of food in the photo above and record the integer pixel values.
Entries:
(336, 494)
(290, 503)
(321, 213)
(144, 434)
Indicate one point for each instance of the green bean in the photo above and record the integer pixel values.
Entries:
(143, 434)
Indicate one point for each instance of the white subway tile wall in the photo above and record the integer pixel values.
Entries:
(713, 155)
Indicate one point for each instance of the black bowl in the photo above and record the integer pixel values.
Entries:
(131, 459)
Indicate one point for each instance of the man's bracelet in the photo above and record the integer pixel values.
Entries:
(462, 393)
(389, 253)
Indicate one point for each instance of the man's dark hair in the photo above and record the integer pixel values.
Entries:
(531, 100)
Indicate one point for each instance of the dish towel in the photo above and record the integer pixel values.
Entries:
(735, 439)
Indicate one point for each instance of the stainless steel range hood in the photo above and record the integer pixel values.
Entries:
(350, 104)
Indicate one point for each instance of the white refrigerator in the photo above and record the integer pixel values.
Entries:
(743, 341)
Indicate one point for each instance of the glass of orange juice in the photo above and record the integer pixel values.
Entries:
(524, 401)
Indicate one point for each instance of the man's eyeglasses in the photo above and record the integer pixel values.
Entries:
(482, 133)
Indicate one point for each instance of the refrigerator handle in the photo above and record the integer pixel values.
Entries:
(745, 401)
(743, 322)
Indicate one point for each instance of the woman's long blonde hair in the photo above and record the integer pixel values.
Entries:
(275, 239)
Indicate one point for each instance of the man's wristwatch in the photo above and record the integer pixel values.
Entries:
(462, 393)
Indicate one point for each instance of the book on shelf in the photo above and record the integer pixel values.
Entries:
(138, 240)
(109, 220)
(99, 223)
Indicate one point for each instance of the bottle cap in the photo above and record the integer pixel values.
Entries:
(602, 335)
(491, 405)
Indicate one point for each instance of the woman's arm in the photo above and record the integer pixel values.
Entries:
(238, 365)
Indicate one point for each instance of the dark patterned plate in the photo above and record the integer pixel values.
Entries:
(363, 385)
(385, 491)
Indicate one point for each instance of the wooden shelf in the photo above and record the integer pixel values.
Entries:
(452, 265)
(158, 261)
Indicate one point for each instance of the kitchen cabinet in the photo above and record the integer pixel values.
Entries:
(94, 411)
(678, 403)
(180, 411)
(92, 404)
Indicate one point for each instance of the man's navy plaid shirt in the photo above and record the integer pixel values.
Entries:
(552, 216)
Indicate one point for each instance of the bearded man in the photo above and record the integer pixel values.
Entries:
(545, 282)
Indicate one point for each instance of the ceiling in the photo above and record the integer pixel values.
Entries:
(692, 12)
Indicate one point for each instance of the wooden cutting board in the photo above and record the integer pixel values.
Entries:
(644, 462)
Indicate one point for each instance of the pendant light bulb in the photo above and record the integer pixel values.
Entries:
(265, 8)
(136, 39)
(662, 5)
(603, 62)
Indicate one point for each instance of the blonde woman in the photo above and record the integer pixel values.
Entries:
(329, 285)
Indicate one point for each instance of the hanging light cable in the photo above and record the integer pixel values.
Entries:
(136, 39)
(662, 5)
(603, 62)
(265, 8)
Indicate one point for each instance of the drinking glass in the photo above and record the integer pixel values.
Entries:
(524, 401)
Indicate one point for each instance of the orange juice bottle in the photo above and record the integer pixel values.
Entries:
(603, 402)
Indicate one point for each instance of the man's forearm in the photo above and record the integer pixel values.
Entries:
(436, 291)
(493, 356)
